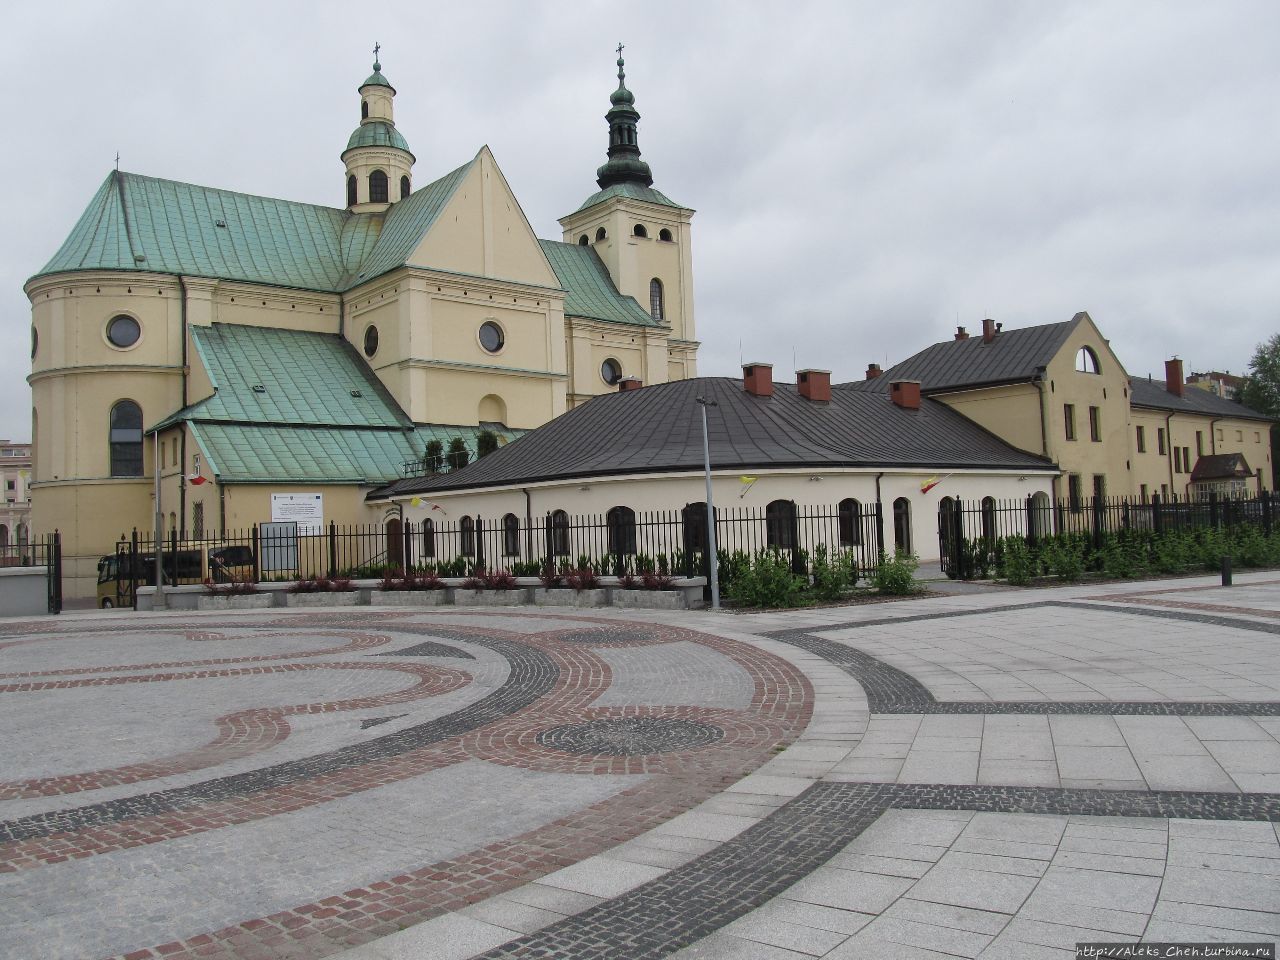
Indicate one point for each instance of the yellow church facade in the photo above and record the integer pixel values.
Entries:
(247, 346)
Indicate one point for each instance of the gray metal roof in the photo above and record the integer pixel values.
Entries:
(1152, 394)
(659, 429)
(1014, 355)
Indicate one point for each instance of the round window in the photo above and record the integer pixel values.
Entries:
(491, 336)
(611, 372)
(370, 341)
(123, 331)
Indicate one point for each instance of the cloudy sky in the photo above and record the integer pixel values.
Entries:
(866, 175)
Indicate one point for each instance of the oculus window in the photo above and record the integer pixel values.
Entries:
(371, 341)
(611, 372)
(123, 332)
(491, 336)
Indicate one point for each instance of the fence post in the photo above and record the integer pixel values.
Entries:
(550, 545)
(1157, 518)
(798, 566)
(257, 556)
(686, 540)
(1031, 521)
(1098, 519)
(133, 569)
(54, 559)
(879, 530)
(479, 544)
(1266, 512)
(406, 533)
(960, 557)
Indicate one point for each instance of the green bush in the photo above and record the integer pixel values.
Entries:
(1064, 557)
(767, 582)
(1018, 562)
(893, 575)
(833, 577)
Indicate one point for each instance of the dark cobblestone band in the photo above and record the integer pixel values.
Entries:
(689, 903)
(890, 690)
(532, 675)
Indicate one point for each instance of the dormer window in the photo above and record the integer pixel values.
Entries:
(404, 187)
(1086, 361)
(377, 187)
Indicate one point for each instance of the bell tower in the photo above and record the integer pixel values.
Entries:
(641, 235)
(379, 164)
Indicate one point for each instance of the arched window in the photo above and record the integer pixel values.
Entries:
(377, 187)
(351, 190)
(510, 535)
(639, 231)
(558, 534)
(1087, 361)
(429, 538)
(902, 524)
(364, 109)
(126, 439)
(468, 529)
(4, 536)
(622, 530)
(780, 524)
(395, 544)
(664, 234)
(584, 240)
(656, 307)
(404, 187)
(600, 234)
(850, 523)
(694, 518)
(1041, 515)
(988, 519)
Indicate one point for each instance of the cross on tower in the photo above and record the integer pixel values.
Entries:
(376, 48)
(620, 48)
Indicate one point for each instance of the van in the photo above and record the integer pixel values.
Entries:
(118, 572)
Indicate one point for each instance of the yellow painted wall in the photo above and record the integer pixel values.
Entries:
(1010, 412)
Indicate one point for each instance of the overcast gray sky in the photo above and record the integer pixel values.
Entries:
(866, 175)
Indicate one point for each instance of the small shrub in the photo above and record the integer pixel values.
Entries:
(833, 577)
(433, 456)
(486, 443)
(500, 580)
(657, 581)
(767, 581)
(1017, 561)
(893, 575)
(457, 567)
(582, 578)
(458, 456)
(232, 588)
(629, 581)
(526, 568)
(550, 576)
(426, 581)
(1065, 558)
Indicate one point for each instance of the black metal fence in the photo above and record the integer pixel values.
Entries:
(620, 541)
(969, 530)
(43, 551)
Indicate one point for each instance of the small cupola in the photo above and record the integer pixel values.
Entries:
(378, 160)
(624, 164)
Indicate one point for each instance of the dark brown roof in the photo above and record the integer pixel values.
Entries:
(659, 429)
(1013, 356)
(1221, 466)
(1152, 394)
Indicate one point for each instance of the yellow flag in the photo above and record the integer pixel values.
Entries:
(929, 484)
(415, 502)
(748, 479)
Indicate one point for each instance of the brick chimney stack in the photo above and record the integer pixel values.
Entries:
(629, 383)
(873, 371)
(1173, 376)
(814, 385)
(989, 330)
(757, 379)
(905, 393)
(962, 333)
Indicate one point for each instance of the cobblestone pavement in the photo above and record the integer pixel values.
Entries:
(995, 774)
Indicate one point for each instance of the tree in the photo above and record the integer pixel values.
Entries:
(459, 456)
(486, 443)
(434, 456)
(1261, 391)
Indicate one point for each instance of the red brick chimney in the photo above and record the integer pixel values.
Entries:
(989, 330)
(961, 333)
(814, 385)
(757, 379)
(905, 393)
(873, 371)
(629, 383)
(1173, 376)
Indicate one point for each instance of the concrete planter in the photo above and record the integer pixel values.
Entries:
(553, 597)
(334, 598)
(649, 599)
(591, 598)
(463, 597)
(242, 601)
(408, 598)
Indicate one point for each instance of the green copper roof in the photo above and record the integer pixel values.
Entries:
(247, 453)
(378, 133)
(589, 290)
(633, 191)
(376, 79)
(266, 375)
(161, 226)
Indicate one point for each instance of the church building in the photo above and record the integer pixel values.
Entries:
(250, 348)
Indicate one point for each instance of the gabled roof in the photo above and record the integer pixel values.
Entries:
(633, 191)
(144, 224)
(589, 290)
(658, 429)
(1221, 466)
(305, 379)
(1153, 395)
(1014, 356)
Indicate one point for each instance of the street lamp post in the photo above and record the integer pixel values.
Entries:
(703, 402)
(158, 600)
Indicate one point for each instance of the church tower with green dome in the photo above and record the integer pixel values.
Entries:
(379, 164)
(641, 235)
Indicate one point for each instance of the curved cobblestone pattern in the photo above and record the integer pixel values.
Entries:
(630, 736)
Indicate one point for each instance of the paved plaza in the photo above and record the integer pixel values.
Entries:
(990, 774)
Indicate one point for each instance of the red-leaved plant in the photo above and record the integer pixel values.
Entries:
(658, 581)
(583, 578)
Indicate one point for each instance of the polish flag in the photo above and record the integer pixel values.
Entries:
(195, 479)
